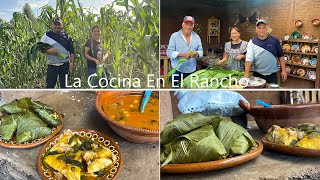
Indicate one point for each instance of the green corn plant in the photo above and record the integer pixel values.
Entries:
(131, 38)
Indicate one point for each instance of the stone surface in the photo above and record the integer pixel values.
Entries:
(140, 161)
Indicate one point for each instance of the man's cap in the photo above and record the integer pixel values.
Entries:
(189, 19)
(261, 21)
(57, 20)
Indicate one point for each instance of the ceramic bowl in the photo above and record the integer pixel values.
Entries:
(129, 133)
(287, 115)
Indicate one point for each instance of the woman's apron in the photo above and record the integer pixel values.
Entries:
(233, 64)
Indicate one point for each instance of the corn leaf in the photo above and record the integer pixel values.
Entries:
(183, 124)
(200, 145)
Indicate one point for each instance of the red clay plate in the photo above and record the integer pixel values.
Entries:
(34, 143)
(97, 136)
(290, 150)
(213, 165)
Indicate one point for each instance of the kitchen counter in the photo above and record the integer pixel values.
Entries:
(140, 161)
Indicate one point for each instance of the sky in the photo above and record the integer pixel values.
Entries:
(7, 7)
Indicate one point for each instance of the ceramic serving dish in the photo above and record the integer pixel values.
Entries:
(296, 59)
(286, 58)
(307, 36)
(301, 72)
(295, 48)
(306, 49)
(313, 61)
(286, 47)
(314, 49)
(213, 165)
(290, 150)
(99, 137)
(295, 35)
(305, 61)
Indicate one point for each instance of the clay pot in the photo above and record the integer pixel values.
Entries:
(129, 133)
(283, 115)
(315, 22)
(298, 23)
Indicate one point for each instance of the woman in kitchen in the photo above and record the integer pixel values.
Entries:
(234, 51)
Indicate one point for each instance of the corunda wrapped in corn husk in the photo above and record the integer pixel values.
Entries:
(27, 120)
(192, 138)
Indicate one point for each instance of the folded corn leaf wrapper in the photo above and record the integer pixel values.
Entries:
(33, 134)
(199, 145)
(39, 105)
(49, 117)
(15, 106)
(185, 123)
(235, 138)
(27, 120)
(202, 142)
(9, 124)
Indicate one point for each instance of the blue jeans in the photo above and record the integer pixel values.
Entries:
(178, 76)
(272, 78)
(53, 72)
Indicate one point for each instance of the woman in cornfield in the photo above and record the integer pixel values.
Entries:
(93, 50)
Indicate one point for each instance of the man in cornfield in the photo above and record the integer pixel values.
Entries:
(60, 56)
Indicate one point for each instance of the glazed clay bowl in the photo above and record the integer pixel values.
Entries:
(283, 115)
(315, 22)
(298, 23)
(132, 134)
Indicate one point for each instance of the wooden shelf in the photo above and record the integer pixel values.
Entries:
(307, 66)
(291, 52)
(300, 40)
(301, 77)
(316, 68)
(213, 29)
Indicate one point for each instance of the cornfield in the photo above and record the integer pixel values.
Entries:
(130, 36)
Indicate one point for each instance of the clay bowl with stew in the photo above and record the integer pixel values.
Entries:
(288, 115)
(121, 111)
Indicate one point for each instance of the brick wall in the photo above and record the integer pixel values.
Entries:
(280, 14)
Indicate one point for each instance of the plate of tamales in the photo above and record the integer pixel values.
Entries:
(193, 143)
(302, 140)
(80, 154)
(25, 123)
